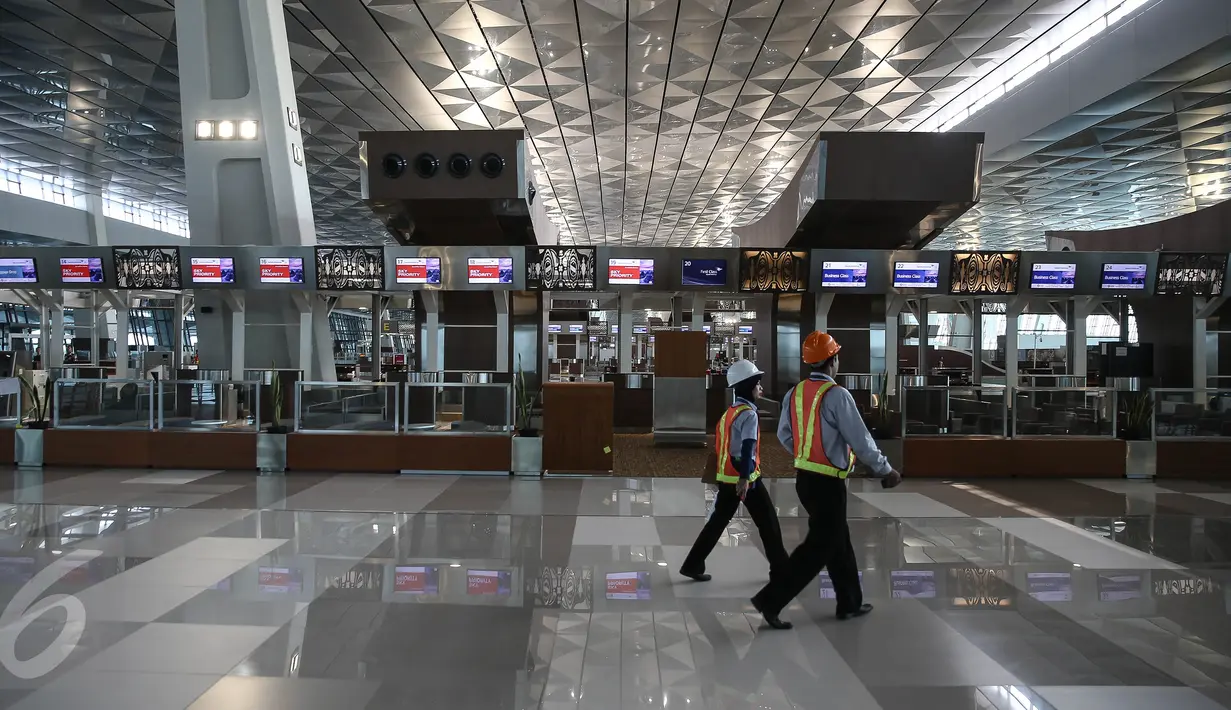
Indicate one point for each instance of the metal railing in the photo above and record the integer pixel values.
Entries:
(958, 410)
(209, 405)
(1180, 413)
(1064, 411)
(347, 407)
(103, 404)
(471, 408)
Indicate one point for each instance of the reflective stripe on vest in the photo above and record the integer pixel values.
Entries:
(809, 448)
(727, 473)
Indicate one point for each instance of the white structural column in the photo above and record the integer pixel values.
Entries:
(624, 349)
(1015, 309)
(697, 322)
(1203, 308)
(430, 349)
(824, 301)
(502, 330)
(893, 337)
(247, 190)
(1083, 308)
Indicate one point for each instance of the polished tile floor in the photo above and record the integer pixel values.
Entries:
(165, 590)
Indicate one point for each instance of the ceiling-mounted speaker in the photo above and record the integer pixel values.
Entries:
(491, 165)
(426, 165)
(459, 165)
(393, 165)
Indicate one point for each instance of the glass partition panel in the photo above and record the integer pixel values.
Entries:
(208, 405)
(1064, 411)
(116, 404)
(457, 407)
(347, 406)
(1192, 413)
(954, 411)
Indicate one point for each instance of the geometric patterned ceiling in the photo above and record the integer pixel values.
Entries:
(652, 122)
(1150, 151)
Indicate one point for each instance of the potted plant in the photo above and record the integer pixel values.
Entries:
(527, 446)
(1137, 431)
(271, 443)
(32, 420)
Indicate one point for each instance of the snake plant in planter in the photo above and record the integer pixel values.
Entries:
(276, 397)
(34, 414)
(1138, 417)
(525, 400)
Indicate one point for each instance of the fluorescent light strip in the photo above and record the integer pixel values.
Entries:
(1066, 37)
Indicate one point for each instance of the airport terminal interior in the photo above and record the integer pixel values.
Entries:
(370, 354)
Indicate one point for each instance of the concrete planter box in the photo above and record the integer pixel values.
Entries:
(527, 456)
(270, 452)
(28, 447)
(1140, 459)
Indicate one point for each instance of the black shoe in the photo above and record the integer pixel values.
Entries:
(771, 620)
(865, 609)
(696, 576)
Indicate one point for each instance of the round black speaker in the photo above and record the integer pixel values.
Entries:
(426, 165)
(393, 165)
(459, 165)
(491, 165)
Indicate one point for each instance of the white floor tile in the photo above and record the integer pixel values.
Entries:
(1124, 698)
(615, 530)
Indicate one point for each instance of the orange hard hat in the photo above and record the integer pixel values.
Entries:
(819, 347)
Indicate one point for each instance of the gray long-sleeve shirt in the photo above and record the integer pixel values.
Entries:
(841, 425)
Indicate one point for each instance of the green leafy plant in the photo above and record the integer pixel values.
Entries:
(1138, 416)
(34, 414)
(276, 395)
(525, 400)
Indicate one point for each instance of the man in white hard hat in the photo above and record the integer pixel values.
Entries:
(738, 444)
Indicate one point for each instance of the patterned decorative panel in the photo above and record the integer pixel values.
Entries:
(561, 269)
(567, 588)
(979, 588)
(147, 267)
(350, 268)
(982, 272)
(650, 122)
(773, 270)
(1186, 274)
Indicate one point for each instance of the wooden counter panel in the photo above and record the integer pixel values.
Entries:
(578, 427)
(102, 448)
(634, 409)
(1193, 459)
(8, 445)
(228, 451)
(345, 453)
(680, 354)
(989, 457)
(456, 452)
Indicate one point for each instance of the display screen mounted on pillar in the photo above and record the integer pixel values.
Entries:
(1056, 277)
(281, 270)
(561, 268)
(630, 272)
(81, 270)
(212, 269)
(916, 274)
(350, 268)
(984, 272)
(773, 271)
(703, 272)
(18, 271)
(147, 267)
(1188, 274)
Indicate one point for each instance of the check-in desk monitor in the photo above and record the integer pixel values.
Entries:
(81, 270)
(281, 270)
(916, 274)
(18, 271)
(1124, 277)
(488, 270)
(630, 272)
(212, 269)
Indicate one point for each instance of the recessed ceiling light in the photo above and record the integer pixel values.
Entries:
(247, 130)
(205, 130)
(226, 129)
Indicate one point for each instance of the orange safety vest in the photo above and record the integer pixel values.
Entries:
(727, 473)
(809, 448)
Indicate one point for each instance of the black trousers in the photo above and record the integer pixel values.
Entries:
(827, 545)
(761, 507)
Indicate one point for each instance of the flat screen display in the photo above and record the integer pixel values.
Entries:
(486, 270)
(1119, 587)
(213, 270)
(576, 329)
(826, 585)
(489, 583)
(416, 580)
(844, 274)
(703, 272)
(281, 270)
(628, 585)
(745, 330)
(630, 272)
(418, 270)
(88, 270)
(553, 327)
(916, 274)
(912, 584)
(279, 580)
(1053, 276)
(1050, 586)
(18, 271)
(1124, 277)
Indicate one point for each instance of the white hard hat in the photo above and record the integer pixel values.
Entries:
(741, 370)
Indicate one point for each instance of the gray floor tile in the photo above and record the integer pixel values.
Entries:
(119, 691)
(248, 693)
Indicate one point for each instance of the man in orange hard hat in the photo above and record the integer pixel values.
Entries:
(821, 426)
